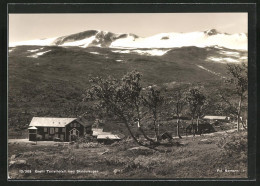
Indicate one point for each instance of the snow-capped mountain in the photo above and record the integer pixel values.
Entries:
(163, 40)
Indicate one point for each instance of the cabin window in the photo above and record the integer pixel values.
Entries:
(51, 130)
(75, 124)
(56, 129)
(63, 129)
(32, 131)
(71, 125)
(74, 132)
(45, 129)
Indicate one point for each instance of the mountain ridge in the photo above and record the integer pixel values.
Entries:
(107, 39)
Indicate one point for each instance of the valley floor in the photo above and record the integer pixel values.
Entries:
(217, 155)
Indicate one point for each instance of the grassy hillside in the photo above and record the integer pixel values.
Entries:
(53, 83)
(219, 155)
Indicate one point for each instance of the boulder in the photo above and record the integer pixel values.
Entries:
(101, 153)
(18, 163)
(21, 162)
(116, 171)
(141, 150)
(11, 163)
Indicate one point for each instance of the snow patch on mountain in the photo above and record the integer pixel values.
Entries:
(225, 55)
(94, 53)
(156, 41)
(244, 58)
(223, 59)
(39, 42)
(173, 40)
(210, 71)
(121, 51)
(35, 50)
(81, 43)
(36, 55)
(148, 52)
(153, 52)
(230, 60)
(215, 59)
(230, 53)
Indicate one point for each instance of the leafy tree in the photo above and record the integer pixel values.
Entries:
(177, 100)
(153, 101)
(195, 100)
(239, 80)
(122, 99)
(202, 109)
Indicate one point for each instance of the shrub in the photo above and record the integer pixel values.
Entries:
(234, 144)
(116, 161)
(85, 139)
(164, 170)
(123, 144)
(92, 145)
(140, 150)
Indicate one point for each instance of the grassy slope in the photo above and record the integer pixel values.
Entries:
(53, 84)
(193, 159)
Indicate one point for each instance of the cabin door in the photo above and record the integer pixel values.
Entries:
(73, 134)
(62, 137)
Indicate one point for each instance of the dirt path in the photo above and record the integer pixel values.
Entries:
(26, 141)
(209, 134)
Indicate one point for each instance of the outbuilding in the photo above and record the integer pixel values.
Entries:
(215, 118)
(107, 138)
(104, 137)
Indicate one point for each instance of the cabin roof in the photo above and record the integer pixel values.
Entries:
(107, 136)
(215, 117)
(96, 133)
(84, 122)
(50, 122)
(100, 134)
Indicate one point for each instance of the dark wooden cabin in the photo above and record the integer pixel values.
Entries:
(62, 129)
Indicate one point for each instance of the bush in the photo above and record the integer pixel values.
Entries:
(165, 170)
(140, 150)
(123, 144)
(85, 139)
(116, 161)
(92, 145)
(234, 144)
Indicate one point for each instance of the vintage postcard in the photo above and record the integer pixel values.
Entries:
(128, 96)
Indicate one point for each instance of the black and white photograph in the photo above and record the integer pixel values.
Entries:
(104, 96)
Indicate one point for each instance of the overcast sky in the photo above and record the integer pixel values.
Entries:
(24, 27)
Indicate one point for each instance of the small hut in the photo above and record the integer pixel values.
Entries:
(32, 133)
